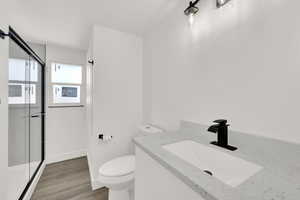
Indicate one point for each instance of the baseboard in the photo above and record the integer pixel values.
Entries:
(32, 187)
(96, 185)
(66, 156)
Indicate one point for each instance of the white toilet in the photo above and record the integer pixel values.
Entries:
(118, 174)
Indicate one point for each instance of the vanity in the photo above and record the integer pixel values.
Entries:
(185, 165)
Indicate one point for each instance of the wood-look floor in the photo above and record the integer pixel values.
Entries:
(67, 180)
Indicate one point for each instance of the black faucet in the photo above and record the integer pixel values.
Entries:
(221, 128)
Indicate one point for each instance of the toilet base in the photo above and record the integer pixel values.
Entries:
(118, 194)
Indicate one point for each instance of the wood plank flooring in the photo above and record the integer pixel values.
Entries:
(67, 180)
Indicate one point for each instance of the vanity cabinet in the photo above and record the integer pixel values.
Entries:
(153, 181)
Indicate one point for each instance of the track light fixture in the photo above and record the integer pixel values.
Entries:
(192, 9)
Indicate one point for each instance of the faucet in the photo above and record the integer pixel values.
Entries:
(221, 128)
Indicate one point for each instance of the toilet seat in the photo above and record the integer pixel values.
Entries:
(117, 182)
(118, 173)
(118, 167)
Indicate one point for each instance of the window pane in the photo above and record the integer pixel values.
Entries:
(66, 94)
(17, 69)
(16, 93)
(62, 73)
(20, 93)
(69, 92)
(15, 90)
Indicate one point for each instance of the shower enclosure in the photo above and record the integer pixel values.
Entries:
(26, 115)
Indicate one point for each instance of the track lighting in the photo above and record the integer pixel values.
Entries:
(192, 9)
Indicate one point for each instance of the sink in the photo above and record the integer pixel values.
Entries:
(227, 168)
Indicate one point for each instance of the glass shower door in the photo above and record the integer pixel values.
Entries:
(19, 126)
(26, 118)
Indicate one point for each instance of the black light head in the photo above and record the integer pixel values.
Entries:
(192, 9)
(221, 3)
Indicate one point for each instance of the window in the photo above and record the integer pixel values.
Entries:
(66, 94)
(66, 82)
(16, 93)
(23, 77)
(18, 70)
(15, 90)
(62, 73)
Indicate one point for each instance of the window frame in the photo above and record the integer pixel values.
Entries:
(51, 85)
(27, 85)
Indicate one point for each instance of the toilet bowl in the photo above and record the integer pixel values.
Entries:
(118, 176)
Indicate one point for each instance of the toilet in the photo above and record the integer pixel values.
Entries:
(118, 176)
(118, 173)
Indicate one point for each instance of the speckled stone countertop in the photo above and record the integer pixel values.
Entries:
(278, 180)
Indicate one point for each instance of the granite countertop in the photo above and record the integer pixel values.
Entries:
(278, 180)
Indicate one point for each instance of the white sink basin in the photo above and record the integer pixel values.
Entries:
(229, 169)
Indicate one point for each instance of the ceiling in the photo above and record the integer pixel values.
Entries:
(69, 22)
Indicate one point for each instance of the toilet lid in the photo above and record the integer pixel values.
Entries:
(118, 167)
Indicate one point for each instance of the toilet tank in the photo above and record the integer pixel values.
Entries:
(148, 129)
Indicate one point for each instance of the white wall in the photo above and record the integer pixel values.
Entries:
(240, 62)
(117, 94)
(66, 135)
(3, 106)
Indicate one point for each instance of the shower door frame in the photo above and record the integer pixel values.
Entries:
(23, 45)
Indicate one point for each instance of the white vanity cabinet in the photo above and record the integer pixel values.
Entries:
(153, 181)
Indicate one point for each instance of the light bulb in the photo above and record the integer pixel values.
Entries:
(191, 19)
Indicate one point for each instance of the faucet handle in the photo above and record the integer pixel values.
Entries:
(221, 121)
